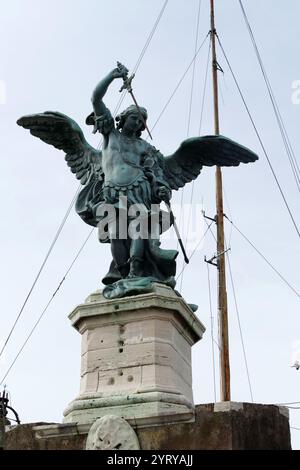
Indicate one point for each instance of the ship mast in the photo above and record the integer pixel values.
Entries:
(222, 294)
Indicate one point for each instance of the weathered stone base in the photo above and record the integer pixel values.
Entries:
(220, 426)
(143, 409)
(135, 358)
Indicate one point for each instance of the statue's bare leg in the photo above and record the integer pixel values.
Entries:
(120, 254)
(119, 250)
(136, 258)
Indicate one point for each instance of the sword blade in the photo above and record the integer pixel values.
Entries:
(140, 113)
(177, 232)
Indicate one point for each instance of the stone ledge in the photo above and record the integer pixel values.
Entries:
(162, 297)
(143, 409)
(225, 406)
(250, 427)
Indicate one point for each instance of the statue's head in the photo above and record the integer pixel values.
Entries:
(121, 118)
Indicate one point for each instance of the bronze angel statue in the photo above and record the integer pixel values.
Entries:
(129, 172)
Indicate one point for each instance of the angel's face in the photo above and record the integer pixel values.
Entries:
(133, 123)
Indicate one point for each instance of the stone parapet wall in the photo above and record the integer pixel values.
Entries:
(231, 426)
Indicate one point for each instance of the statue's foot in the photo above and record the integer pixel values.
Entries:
(128, 286)
(133, 286)
(131, 275)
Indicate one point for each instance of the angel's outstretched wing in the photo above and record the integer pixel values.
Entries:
(186, 163)
(62, 132)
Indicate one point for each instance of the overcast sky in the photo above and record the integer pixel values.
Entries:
(52, 54)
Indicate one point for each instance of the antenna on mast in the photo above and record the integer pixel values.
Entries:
(222, 294)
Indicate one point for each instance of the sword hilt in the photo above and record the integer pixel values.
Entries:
(127, 83)
(126, 80)
(127, 86)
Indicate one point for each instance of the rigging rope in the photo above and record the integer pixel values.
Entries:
(188, 125)
(46, 307)
(78, 189)
(205, 85)
(150, 37)
(193, 252)
(179, 83)
(143, 52)
(237, 312)
(239, 324)
(230, 214)
(263, 257)
(286, 141)
(200, 126)
(235, 302)
(193, 72)
(59, 286)
(58, 232)
(260, 140)
(212, 333)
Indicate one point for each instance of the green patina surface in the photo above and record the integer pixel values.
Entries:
(126, 172)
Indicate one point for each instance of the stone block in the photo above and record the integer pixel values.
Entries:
(135, 350)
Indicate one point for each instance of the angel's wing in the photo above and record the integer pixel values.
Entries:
(62, 132)
(186, 163)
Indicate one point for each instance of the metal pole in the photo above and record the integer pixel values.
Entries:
(222, 294)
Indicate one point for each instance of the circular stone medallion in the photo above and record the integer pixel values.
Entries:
(112, 433)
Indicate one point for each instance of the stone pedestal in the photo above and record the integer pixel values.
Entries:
(135, 358)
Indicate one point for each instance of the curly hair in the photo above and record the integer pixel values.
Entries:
(121, 118)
